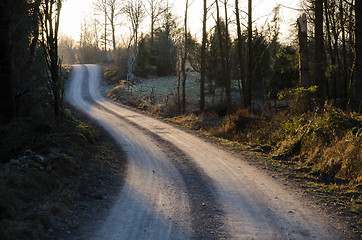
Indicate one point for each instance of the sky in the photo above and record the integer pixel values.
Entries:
(73, 11)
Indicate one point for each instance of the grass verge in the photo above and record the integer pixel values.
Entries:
(54, 176)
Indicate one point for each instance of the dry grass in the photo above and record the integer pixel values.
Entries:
(54, 168)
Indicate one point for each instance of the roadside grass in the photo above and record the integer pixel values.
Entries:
(49, 172)
(320, 150)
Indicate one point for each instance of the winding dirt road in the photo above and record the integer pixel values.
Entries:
(180, 187)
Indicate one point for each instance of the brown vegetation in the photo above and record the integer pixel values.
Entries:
(56, 174)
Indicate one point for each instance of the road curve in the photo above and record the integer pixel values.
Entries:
(179, 186)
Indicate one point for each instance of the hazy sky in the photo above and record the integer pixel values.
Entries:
(74, 11)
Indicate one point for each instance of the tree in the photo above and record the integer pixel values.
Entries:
(135, 12)
(337, 56)
(358, 57)
(224, 53)
(183, 61)
(304, 78)
(89, 51)
(203, 58)
(66, 49)
(240, 55)
(143, 58)
(7, 100)
(102, 7)
(319, 50)
(50, 15)
(155, 11)
(112, 15)
(19, 26)
(110, 9)
(249, 58)
(164, 55)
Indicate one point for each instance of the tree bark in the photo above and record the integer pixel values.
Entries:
(7, 101)
(223, 54)
(344, 82)
(358, 57)
(105, 34)
(226, 59)
(249, 56)
(49, 28)
(240, 55)
(29, 62)
(319, 50)
(304, 76)
(183, 62)
(203, 59)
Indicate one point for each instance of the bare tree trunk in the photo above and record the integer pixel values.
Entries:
(29, 62)
(358, 57)
(304, 76)
(7, 101)
(203, 59)
(105, 34)
(226, 59)
(223, 56)
(50, 28)
(330, 90)
(112, 18)
(319, 50)
(240, 54)
(183, 62)
(344, 82)
(249, 56)
(155, 12)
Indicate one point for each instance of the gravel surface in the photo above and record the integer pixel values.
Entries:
(178, 186)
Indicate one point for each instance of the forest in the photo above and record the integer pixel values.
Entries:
(322, 51)
(297, 101)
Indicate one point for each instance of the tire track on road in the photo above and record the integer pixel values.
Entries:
(207, 217)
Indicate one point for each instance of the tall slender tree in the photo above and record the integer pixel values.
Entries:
(227, 59)
(135, 13)
(102, 7)
(240, 55)
(7, 100)
(358, 57)
(155, 10)
(203, 58)
(249, 57)
(183, 61)
(224, 57)
(319, 50)
(304, 77)
(112, 15)
(50, 16)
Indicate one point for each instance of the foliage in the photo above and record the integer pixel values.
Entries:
(143, 58)
(284, 69)
(166, 53)
(194, 53)
(295, 94)
(325, 141)
(214, 66)
(260, 66)
(299, 98)
(49, 27)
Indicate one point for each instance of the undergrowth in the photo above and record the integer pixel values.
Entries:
(46, 169)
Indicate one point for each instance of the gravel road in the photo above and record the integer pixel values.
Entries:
(178, 186)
